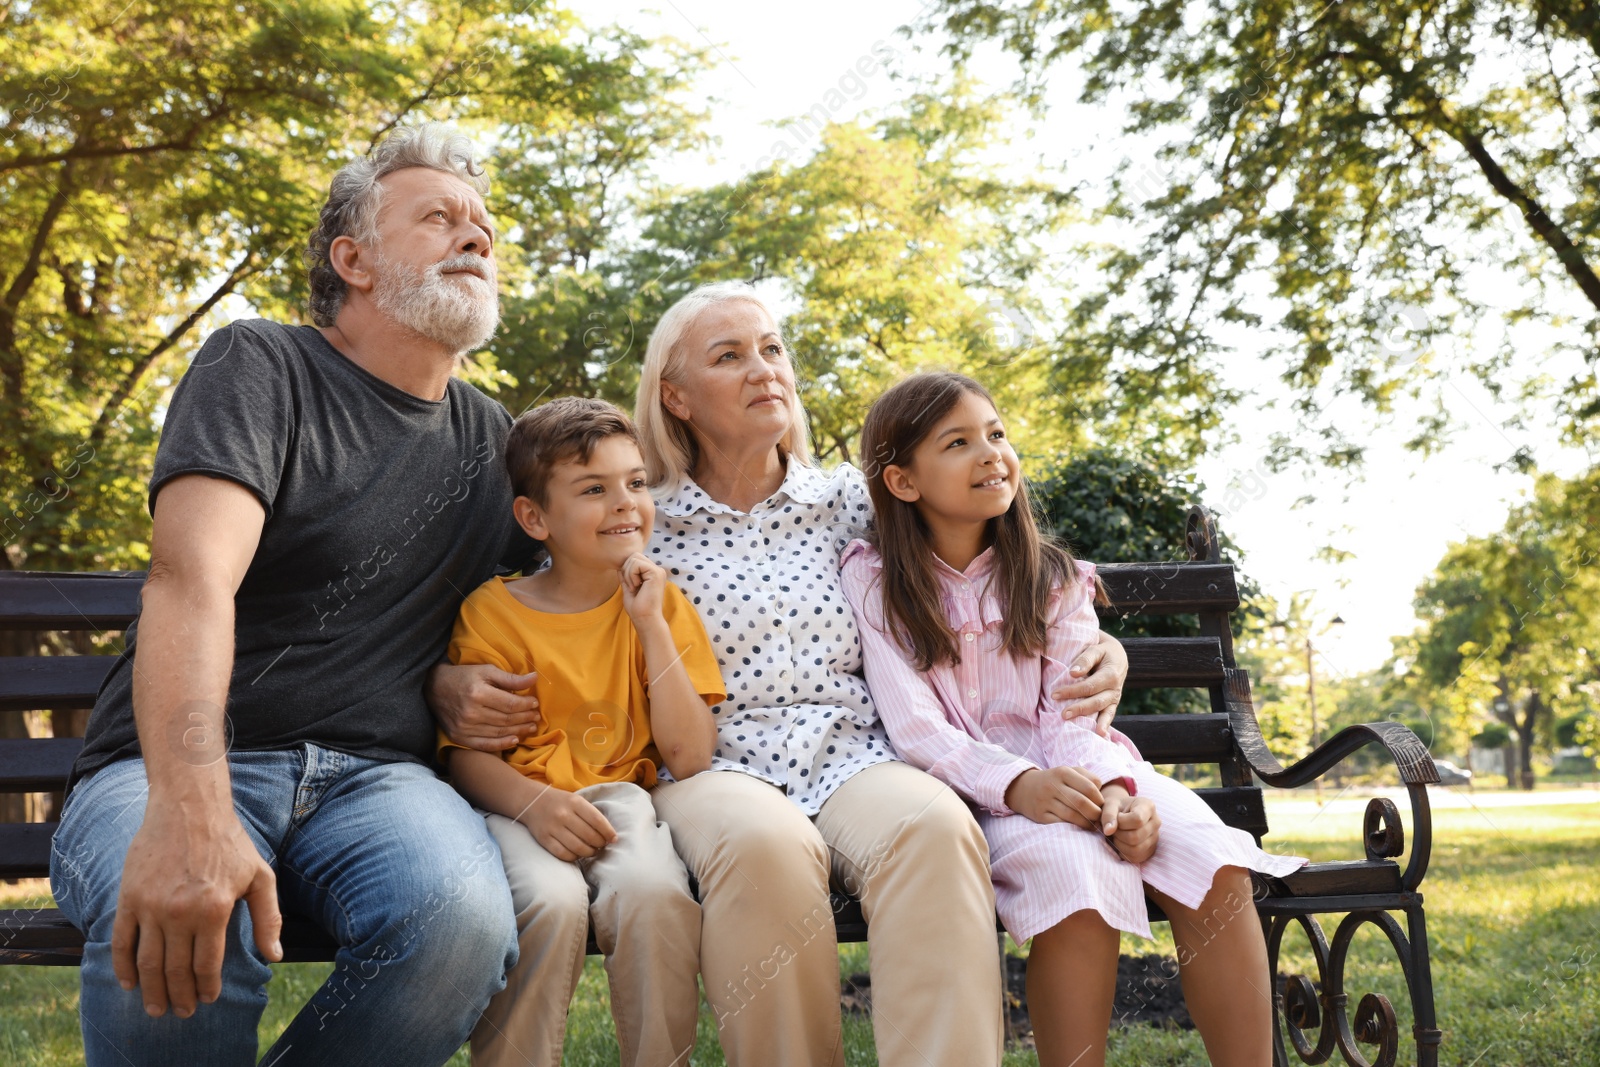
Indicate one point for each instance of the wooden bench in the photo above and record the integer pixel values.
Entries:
(1370, 889)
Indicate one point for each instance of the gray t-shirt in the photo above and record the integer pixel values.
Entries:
(383, 512)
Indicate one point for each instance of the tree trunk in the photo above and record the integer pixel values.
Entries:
(1525, 725)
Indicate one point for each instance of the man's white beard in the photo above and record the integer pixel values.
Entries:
(461, 317)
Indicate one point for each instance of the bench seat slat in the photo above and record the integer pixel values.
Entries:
(1345, 878)
(58, 600)
(43, 936)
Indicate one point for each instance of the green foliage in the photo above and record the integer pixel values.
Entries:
(1341, 180)
(1493, 735)
(1510, 620)
(901, 251)
(1570, 730)
(164, 158)
(1113, 507)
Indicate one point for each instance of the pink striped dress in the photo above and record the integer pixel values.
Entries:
(978, 724)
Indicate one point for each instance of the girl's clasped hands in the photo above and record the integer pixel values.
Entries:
(1130, 824)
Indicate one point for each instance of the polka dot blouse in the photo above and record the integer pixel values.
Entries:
(766, 584)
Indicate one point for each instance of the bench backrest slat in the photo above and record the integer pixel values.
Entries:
(108, 600)
(25, 849)
(1168, 588)
(36, 683)
(60, 600)
(51, 683)
(36, 764)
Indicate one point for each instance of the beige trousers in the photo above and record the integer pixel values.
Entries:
(636, 892)
(895, 837)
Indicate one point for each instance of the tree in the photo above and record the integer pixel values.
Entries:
(164, 157)
(163, 162)
(900, 248)
(1513, 617)
(1112, 505)
(1339, 178)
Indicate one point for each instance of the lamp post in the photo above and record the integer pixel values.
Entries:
(1311, 694)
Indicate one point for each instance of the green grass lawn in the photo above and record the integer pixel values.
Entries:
(1514, 911)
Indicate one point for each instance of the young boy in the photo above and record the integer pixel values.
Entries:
(626, 680)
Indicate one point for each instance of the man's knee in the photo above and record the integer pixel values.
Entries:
(447, 918)
(88, 849)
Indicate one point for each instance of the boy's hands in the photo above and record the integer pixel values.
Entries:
(643, 586)
(1061, 794)
(1131, 823)
(568, 826)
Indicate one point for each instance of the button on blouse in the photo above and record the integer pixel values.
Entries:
(766, 583)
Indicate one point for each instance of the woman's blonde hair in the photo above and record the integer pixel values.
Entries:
(669, 446)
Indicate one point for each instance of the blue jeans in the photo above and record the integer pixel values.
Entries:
(384, 856)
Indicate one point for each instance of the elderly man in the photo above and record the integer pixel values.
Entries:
(323, 497)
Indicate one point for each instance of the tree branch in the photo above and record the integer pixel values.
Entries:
(1538, 219)
(124, 390)
(94, 152)
(29, 272)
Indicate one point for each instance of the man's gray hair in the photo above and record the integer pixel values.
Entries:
(355, 199)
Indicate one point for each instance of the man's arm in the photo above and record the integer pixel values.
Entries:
(190, 860)
(478, 706)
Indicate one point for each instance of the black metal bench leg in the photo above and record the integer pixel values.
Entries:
(1425, 1027)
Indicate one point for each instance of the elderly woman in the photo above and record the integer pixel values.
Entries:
(804, 789)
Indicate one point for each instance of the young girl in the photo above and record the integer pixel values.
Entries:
(968, 618)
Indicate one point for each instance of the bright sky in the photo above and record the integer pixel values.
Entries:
(775, 62)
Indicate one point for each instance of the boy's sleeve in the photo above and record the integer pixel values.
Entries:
(689, 634)
(471, 643)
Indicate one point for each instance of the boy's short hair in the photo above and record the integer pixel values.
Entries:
(556, 432)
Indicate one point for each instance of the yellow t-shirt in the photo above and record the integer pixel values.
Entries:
(594, 702)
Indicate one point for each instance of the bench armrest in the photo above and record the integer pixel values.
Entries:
(1384, 832)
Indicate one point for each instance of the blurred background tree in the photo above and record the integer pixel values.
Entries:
(1510, 620)
(1328, 174)
(161, 158)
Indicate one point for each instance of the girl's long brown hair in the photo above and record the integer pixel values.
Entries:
(1028, 565)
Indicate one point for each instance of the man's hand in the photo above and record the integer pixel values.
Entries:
(567, 825)
(479, 707)
(1093, 685)
(1062, 794)
(1131, 823)
(643, 588)
(180, 882)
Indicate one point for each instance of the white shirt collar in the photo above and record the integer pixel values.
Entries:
(801, 484)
